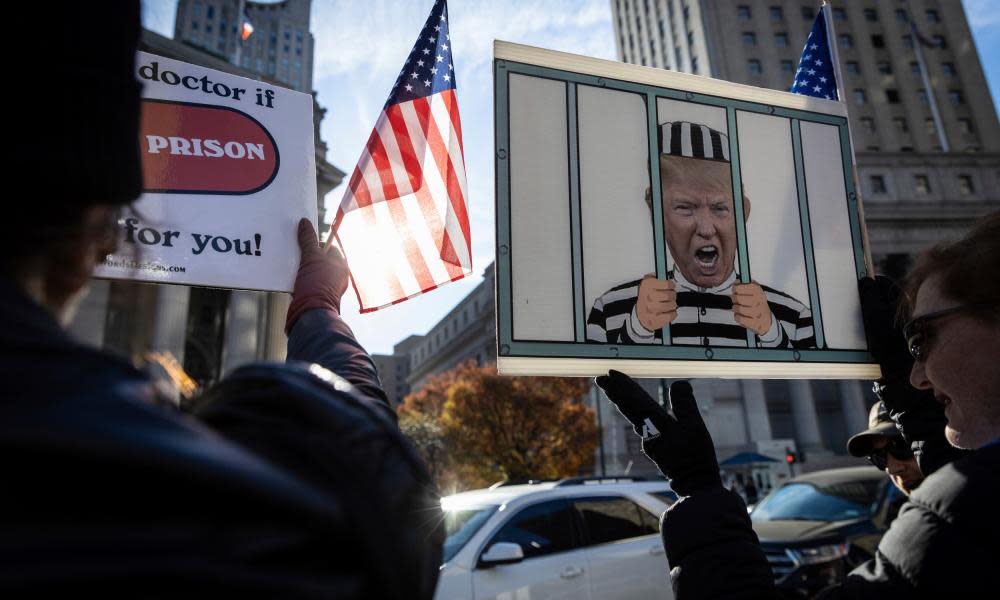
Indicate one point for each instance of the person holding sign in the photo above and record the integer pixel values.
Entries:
(702, 299)
(940, 386)
(291, 481)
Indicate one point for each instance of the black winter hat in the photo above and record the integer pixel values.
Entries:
(78, 116)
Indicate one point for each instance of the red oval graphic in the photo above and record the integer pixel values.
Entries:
(192, 148)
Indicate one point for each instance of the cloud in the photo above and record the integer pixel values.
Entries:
(370, 40)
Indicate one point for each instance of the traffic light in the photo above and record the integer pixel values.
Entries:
(790, 457)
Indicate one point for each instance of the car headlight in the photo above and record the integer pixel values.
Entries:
(818, 554)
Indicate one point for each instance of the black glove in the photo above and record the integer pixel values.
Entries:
(879, 303)
(678, 444)
(918, 416)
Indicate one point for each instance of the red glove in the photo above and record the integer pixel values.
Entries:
(322, 276)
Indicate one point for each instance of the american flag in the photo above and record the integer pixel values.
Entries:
(403, 223)
(816, 75)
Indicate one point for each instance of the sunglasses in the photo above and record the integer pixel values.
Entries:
(897, 448)
(915, 331)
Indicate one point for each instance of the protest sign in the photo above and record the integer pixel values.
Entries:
(621, 243)
(228, 170)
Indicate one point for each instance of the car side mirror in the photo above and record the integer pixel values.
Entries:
(501, 553)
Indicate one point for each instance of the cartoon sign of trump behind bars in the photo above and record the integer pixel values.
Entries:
(702, 299)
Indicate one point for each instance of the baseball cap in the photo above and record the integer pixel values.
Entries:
(879, 424)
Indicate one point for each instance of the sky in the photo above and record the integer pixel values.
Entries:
(360, 48)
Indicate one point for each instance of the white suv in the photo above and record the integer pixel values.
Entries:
(581, 538)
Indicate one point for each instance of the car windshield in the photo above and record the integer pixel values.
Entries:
(812, 502)
(461, 523)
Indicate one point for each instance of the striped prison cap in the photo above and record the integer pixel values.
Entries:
(693, 140)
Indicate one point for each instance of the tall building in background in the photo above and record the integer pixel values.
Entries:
(208, 331)
(280, 48)
(925, 174)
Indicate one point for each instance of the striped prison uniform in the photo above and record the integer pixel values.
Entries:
(704, 318)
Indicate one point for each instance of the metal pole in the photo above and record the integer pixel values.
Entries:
(240, 7)
(926, 79)
(831, 36)
(600, 429)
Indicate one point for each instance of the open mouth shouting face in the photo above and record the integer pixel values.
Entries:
(701, 234)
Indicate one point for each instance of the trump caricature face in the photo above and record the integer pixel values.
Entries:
(698, 218)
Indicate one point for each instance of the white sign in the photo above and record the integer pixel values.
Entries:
(228, 171)
(668, 225)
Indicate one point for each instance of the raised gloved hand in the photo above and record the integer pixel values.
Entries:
(321, 279)
(678, 444)
(879, 304)
(918, 416)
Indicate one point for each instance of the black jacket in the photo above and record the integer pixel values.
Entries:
(943, 544)
(293, 482)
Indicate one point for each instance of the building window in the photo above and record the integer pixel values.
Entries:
(939, 42)
(922, 184)
(878, 41)
(915, 68)
(860, 97)
(901, 124)
(781, 40)
(878, 184)
(749, 38)
(743, 11)
(948, 69)
(787, 66)
(853, 67)
(839, 14)
(884, 67)
(197, 8)
(871, 15)
(965, 125)
(933, 16)
(965, 186)
(210, 12)
(753, 65)
(901, 15)
(846, 41)
(694, 64)
(808, 13)
(930, 127)
(892, 96)
(868, 124)
(906, 149)
(922, 94)
(777, 14)
(956, 97)
(872, 148)
(908, 41)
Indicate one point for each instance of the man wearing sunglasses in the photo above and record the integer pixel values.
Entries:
(883, 445)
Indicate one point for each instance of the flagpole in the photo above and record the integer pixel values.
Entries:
(831, 36)
(240, 7)
(926, 79)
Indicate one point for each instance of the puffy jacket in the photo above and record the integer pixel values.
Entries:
(942, 544)
(294, 481)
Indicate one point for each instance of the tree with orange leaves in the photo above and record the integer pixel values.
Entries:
(491, 427)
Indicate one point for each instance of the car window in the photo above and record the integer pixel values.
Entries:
(540, 529)
(460, 524)
(807, 501)
(608, 519)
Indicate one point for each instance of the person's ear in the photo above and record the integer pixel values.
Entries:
(746, 208)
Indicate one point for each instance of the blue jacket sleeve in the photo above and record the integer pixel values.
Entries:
(322, 337)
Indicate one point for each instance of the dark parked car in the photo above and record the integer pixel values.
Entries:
(817, 527)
